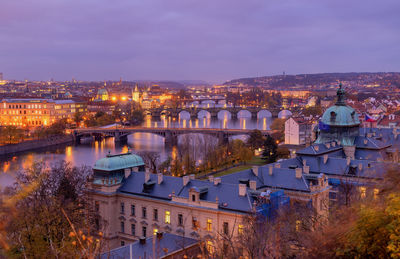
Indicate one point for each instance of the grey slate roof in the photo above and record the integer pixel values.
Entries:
(168, 244)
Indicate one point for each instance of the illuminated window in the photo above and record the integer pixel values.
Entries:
(363, 192)
(155, 231)
(210, 247)
(240, 229)
(209, 225)
(167, 217)
(298, 224)
(376, 192)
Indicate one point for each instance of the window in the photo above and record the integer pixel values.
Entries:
(363, 191)
(144, 212)
(376, 192)
(193, 197)
(122, 243)
(132, 210)
(226, 228)
(180, 219)
(298, 224)
(144, 230)
(122, 208)
(167, 217)
(195, 223)
(155, 214)
(155, 231)
(122, 226)
(210, 247)
(240, 229)
(133, 229)
(97, 224)
(209, 225)
(96, 206)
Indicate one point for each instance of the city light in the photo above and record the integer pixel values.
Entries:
(114, 98)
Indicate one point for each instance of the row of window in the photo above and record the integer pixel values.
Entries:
(225, 228)
(167, 214)
(20, 106)
(24, 112)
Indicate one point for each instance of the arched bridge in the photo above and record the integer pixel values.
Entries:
(170, 135)
(213, 111)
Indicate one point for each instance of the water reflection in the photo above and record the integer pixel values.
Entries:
(88, 153)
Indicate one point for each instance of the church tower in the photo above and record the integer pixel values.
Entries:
(136, 94)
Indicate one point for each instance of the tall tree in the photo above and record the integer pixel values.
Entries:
(255, 139)
(270, 150)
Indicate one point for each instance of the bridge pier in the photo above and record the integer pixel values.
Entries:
(223, 138)
(170, 139)
(120, 138)
(77, 138)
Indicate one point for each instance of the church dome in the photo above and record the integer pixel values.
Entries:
(118, 162)
(340, 114)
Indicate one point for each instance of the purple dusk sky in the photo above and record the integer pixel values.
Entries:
(213, 40)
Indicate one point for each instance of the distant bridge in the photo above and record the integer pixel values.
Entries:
(213, 111)
(170, 135)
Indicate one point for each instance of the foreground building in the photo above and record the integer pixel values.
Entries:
(37, 112)
(134, 203)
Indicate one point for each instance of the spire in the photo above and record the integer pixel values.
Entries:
(340, 96)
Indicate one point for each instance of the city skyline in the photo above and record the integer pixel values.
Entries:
(207, 41)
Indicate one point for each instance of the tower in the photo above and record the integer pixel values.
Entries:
(136, 94)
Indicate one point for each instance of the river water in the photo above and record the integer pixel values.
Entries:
(88, 153)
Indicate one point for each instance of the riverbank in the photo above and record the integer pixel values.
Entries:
(35, 144)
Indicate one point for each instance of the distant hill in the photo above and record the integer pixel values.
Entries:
(381, 78)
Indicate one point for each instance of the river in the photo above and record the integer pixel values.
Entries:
(88, 153)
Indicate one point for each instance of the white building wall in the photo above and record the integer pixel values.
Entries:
(292, 132)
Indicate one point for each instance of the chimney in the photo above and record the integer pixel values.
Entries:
(142, 240)
(348, 160)
(333, 144)
(304, 161)
(325, 158)
(211, 178)
(185, 180)
(253, 185)
(159, 178)
(255, 170)
(217, 180)
(277, 165)
(365, 141)
(127, 172)
(306, 169)
(271, 170)
(328, 145)
(360, 166)
(316, 147)
(191, 177)
(146, 176)
(242, 189)
(299, 172)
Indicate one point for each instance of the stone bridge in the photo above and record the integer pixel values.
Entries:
(170, 135)
(194, 111)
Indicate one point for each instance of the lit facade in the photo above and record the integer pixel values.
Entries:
(36, 112)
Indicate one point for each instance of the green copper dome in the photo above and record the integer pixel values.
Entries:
(340, 114)
(118, 162)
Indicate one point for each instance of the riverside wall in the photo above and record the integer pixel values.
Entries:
(35, 144)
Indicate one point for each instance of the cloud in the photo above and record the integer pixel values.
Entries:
(191, 39)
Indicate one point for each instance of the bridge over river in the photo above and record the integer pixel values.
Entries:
(170, 135)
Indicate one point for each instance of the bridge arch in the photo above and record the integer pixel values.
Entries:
(184, 115)
(165, 112)
(244, 114)
(147, 112)
(264, 114)
(224, 114)
(284, 114)
(204, 114)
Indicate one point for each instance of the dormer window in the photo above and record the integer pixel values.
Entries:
(333, 116)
